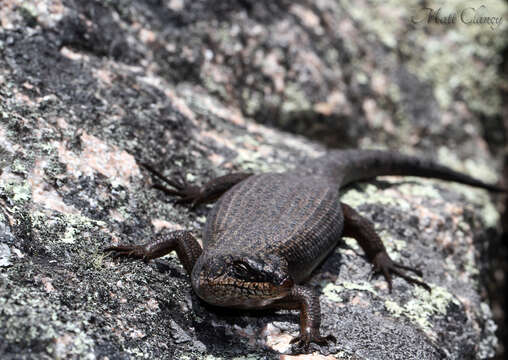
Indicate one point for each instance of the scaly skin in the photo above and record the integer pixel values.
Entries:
(268, 232)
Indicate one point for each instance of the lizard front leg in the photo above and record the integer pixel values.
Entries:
(196, 195)
(307, 301)
(186, 246)
(360, 228)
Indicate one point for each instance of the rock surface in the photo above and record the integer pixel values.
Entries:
(87, 88)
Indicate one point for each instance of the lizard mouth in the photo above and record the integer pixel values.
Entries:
(225, 291)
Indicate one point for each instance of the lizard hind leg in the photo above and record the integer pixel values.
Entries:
(187, 193)
(193, 194)
(360, 228)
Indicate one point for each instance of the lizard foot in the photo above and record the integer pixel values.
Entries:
(385, 265)
(303, 340)
(187, 193)
(133, 251)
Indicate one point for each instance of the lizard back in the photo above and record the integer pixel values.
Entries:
(293, 216)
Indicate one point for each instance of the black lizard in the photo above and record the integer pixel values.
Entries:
(267, 232)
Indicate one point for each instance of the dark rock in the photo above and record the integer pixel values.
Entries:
(89, 88)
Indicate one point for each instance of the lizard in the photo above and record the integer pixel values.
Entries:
(267, 232)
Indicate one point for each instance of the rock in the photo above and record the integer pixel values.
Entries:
(5, 255)
(90, 89)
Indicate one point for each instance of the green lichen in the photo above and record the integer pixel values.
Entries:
(252, 101)
(344, 355)
(363, 286)
(47, 148)
(97, 260)
(418, 189)
(296, 99)
(479, 200)
(399, 244)
(371, 195)
(28, 12)
(18, 167)
(38, 219)
(70, 235)
(123, 211)
(331, 56)
(469, 260)
(489, 214)
(351, 242)
(246, 140)
(393, 246)
(487, 345)
(116, 182)
(66, 228)
(378, 25)
(41, 323)
(332, 291)
(393, 308)
(211, 357)
(190, 177)
(419, 310)
(215, 87)
(362, 78)
(459, 69)
(395, 94)
(450, 264)
(248, 357)
(254, 162)
(423, 306)
(469, 64)
(19, 191)
(139, 354)
(76, 225)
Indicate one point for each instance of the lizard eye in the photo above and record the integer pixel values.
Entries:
(243, 269)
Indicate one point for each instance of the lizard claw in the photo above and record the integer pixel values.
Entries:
(385, 265)
(303, 340)
(187, 193)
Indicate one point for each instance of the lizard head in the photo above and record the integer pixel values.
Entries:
(246, 281)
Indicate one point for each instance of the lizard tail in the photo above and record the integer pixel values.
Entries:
(347, 166)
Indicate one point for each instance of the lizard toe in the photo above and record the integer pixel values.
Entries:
(387, 267)
(302, 342)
